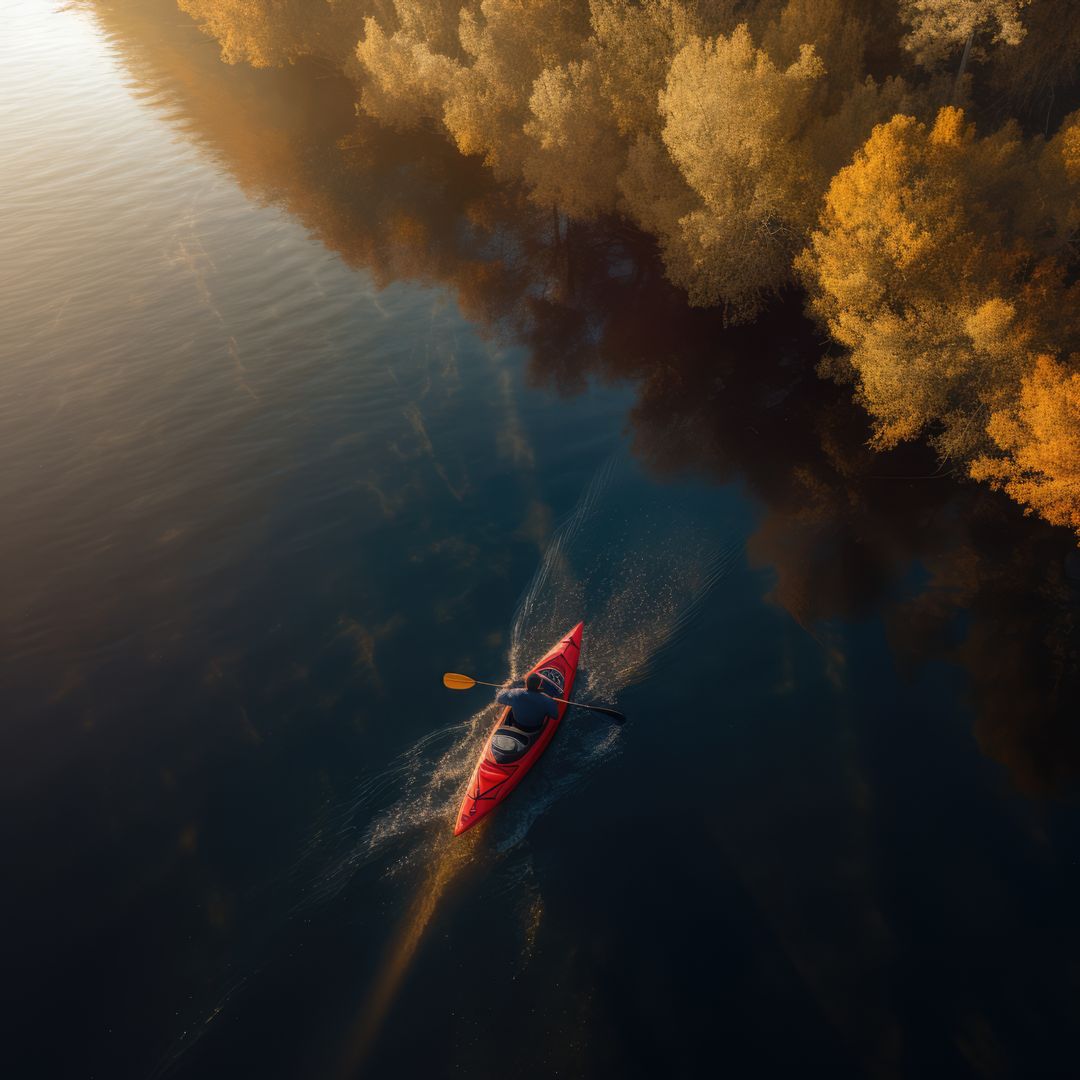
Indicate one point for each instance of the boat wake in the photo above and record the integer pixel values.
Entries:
(637, 566)
(637, 563)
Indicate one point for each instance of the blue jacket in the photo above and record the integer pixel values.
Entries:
(530, 707)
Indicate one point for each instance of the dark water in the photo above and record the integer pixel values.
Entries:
(296, 414)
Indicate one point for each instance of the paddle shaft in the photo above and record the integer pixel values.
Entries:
(565, 701)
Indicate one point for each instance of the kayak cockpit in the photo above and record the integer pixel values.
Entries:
(510, 743)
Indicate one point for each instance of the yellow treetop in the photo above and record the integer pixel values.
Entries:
(732, 124)
(406, 81)
(941, 27)
(1039, 436)
(575, 155)
(509, 43)
(634, 43)
(915, 272)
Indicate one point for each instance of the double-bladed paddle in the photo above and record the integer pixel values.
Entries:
(466, 682)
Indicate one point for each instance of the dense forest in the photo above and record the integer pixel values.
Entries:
(911, 165)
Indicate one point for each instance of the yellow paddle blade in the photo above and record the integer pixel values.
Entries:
(458, 682)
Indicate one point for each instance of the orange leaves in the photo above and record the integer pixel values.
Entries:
(950, 130)
(727, 107)
(1040, 438)
(917, 268)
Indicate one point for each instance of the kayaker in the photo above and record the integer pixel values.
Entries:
(529, 708)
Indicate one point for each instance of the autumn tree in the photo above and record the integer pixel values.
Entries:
(732, 125)
(594, 123)
(940, 27)
(433, 22)
(575, 154)
(919, 272)
(508, 43)
(838, 30)
(408, 73)
(896, 245)
(633, 45)
(1038, 436)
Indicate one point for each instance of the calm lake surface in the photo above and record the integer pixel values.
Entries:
(297, 414)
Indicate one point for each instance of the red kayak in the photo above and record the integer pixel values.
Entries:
(502, 762)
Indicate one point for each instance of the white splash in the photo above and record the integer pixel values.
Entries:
(637, 566)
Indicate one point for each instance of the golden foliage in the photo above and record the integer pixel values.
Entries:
(634, 44)
(1039, 436)
(732, 124)
(916, 270)
(432, 22)
(727, 108)
(509, 42)
(576, 155)
(838, 30)
(940, 27)
(407, 82)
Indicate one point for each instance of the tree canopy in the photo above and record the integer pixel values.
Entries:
(940, 28)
